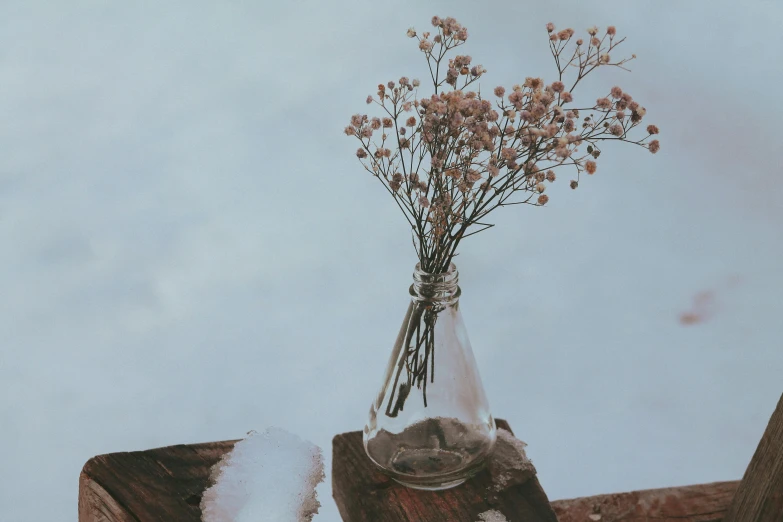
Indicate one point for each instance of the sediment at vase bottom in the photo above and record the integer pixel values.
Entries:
(433, 454)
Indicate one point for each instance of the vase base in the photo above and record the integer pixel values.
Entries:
(432, 487)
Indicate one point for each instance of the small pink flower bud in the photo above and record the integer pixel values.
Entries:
(411, 33)
(425, 45)
(590, 167)
(611, 30)
(654, 146)
(550, 27)
(652, 129)
(360, 153)
(543, 199)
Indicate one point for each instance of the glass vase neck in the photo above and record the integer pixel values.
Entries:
(440, 288)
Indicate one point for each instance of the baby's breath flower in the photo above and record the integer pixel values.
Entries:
(455, 128)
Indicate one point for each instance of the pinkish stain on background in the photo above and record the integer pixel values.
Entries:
(705, 303)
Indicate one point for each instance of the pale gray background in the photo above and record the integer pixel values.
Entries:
(190, 250)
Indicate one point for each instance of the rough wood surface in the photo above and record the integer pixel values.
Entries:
(162, 484)
(364, 494)
(759, 497)
(699, 503)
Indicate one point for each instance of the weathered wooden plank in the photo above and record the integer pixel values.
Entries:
(698, 503)
(759, 497)
(364, 494)
(163, 484)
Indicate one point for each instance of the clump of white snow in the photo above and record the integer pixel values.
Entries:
(493, 515)
(266, 477)
(509, 464)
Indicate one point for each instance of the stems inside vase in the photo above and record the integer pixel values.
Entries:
(416, 364)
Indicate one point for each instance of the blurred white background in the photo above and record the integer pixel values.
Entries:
(189, 248)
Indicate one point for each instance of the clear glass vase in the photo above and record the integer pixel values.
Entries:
(430, 426)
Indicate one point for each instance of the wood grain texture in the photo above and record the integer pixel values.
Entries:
(698, 503)
(162, 484)
(364, 494)
(759, 497)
